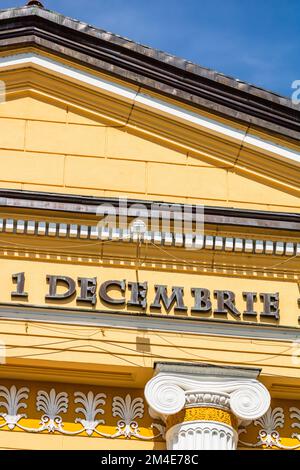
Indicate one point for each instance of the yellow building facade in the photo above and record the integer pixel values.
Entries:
(143, 332)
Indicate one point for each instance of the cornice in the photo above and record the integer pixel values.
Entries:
(96, 377)
(87, 206)
(149, 68)
(139, 321)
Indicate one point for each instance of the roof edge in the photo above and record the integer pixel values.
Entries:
(171, 59)
(87, 206)
(150, 68)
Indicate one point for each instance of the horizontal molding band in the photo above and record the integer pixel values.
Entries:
(75, 204)
(120, 320)
(168, 239)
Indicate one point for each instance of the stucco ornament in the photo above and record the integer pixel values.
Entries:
(90, 410)
(128, 410)
(13, 403)
(53, 404)
(295, 414)
(270, 423)
(248, 401)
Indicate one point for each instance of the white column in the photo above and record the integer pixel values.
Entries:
(203, 405)
(201, 435)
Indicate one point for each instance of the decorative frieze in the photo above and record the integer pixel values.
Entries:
(54, 405)
(206, 421)
(270, 424)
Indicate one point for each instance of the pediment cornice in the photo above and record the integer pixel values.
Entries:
(146, 67)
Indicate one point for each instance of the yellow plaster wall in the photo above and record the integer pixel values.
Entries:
(97, 353)
(47, 147)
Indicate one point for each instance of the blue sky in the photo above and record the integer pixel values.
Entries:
(256, 41)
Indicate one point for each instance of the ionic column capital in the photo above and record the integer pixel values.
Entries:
(233, 389)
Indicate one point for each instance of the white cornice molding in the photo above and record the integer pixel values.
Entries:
(241, 137)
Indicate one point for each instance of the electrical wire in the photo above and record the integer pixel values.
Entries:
(127, 348)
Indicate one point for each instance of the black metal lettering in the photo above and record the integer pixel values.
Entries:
(53, 283)
(226, 302)
(88, 288)
(138, 294)
(19, 279)
(168, 302)
(104, 292)
(271, 305)
(250, 298)
(202, 300)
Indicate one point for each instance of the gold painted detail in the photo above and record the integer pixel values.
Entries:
(203, 414)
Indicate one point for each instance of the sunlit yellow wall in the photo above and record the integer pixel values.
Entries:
(44, 147)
